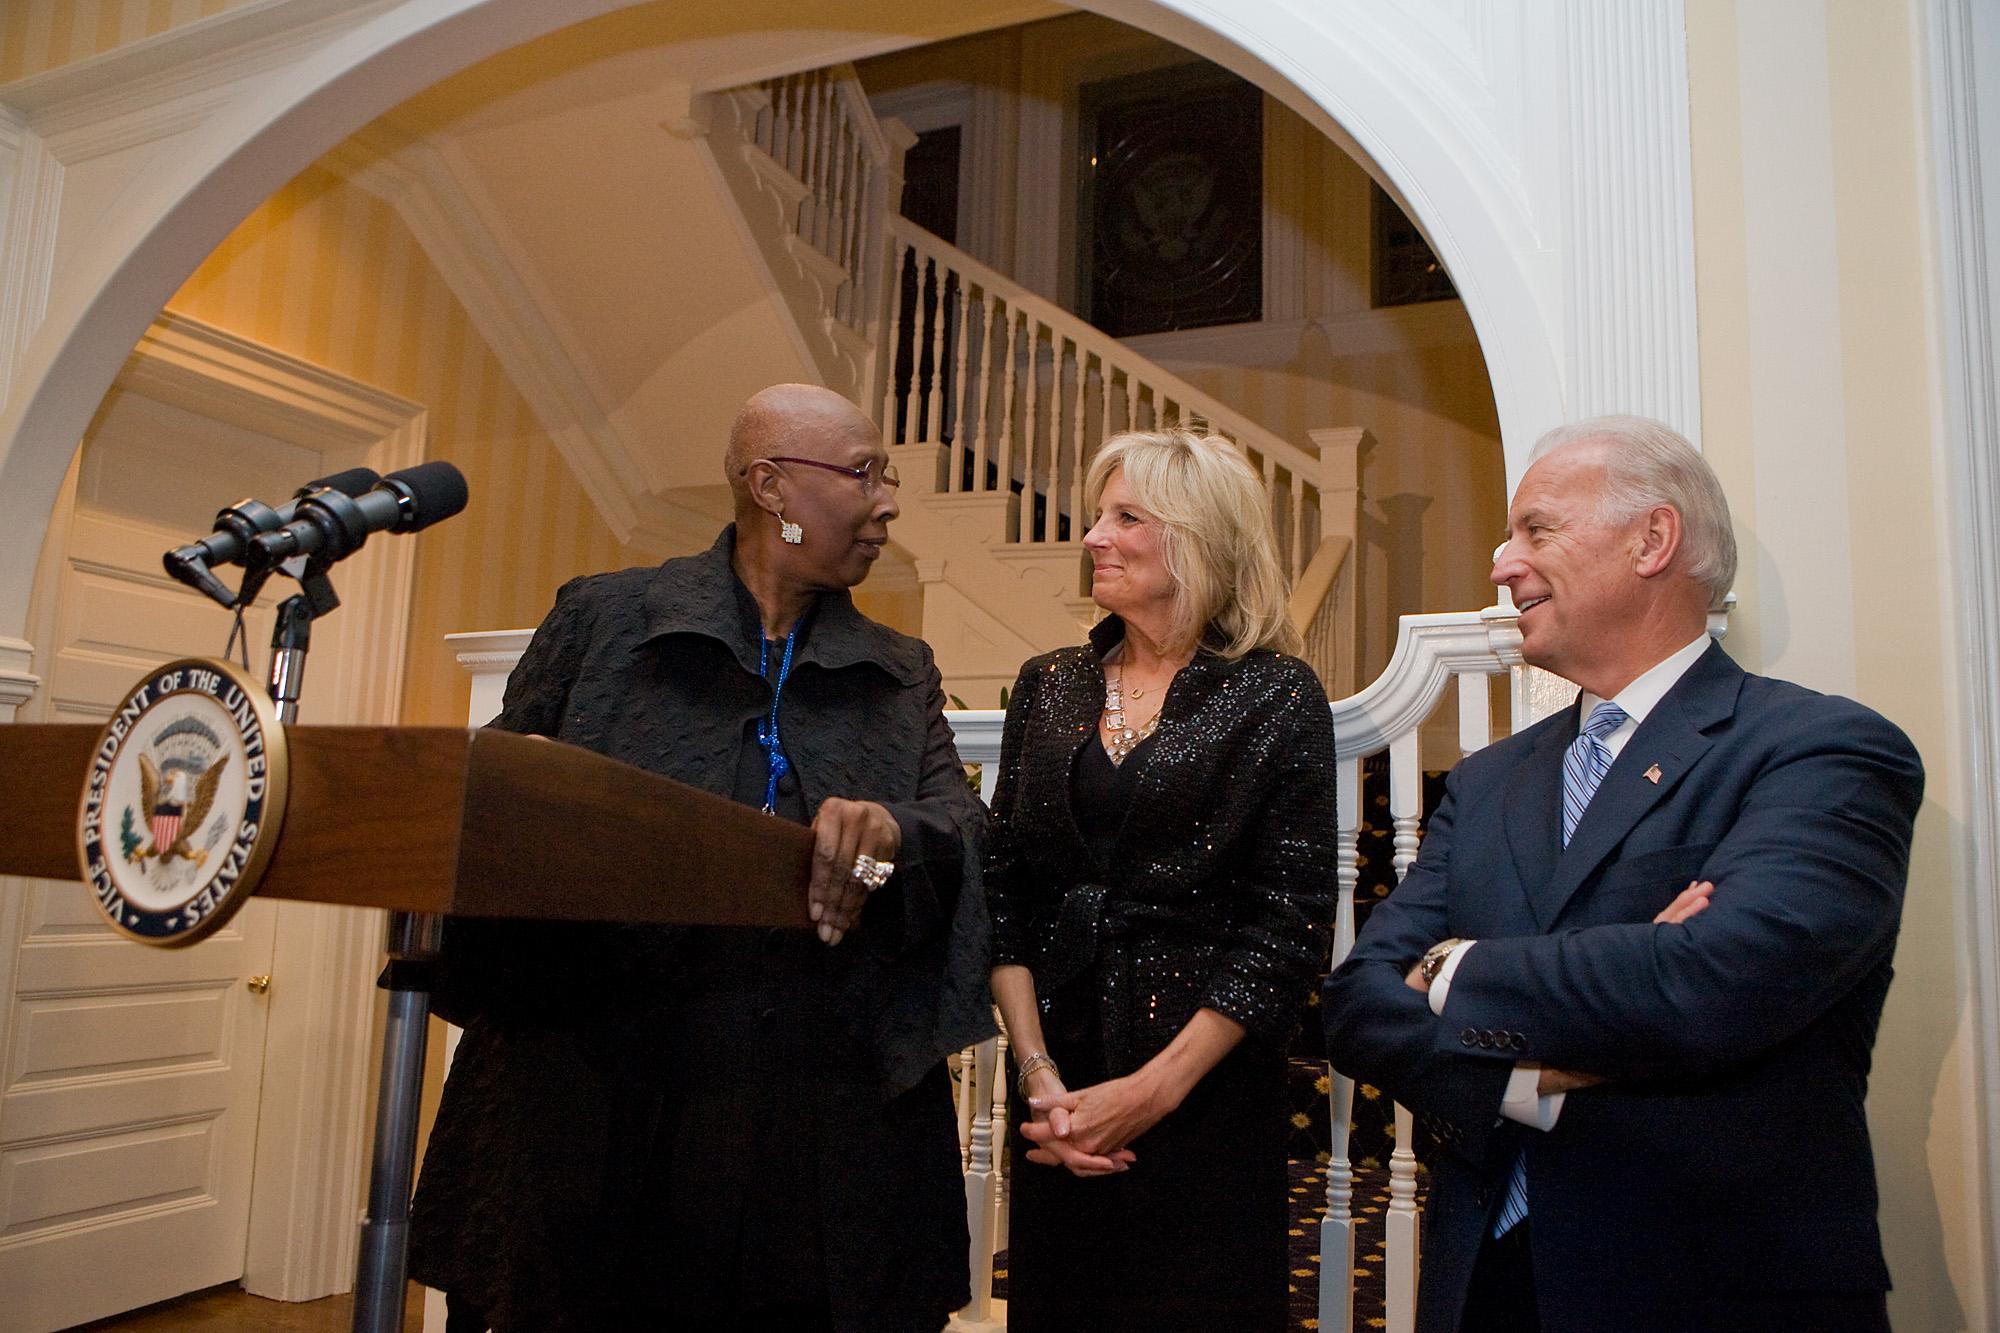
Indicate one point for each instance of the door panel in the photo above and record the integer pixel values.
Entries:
(131, 1079)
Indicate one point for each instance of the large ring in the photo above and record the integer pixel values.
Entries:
(873, 874)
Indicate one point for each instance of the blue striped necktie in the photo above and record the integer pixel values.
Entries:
(1584, 766)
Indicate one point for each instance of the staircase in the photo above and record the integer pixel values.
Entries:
(992, 400)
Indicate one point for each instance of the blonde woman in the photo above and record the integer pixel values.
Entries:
(1161, 877)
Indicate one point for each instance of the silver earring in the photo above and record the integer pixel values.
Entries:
(792, 533)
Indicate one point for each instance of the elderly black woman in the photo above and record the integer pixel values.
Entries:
(722, 1128)
(1161, 875)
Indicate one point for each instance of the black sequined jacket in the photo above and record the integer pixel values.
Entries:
(1221, 888)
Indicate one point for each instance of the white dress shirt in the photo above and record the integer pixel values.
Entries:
(1520, 1102)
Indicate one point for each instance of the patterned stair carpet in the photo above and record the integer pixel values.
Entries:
(1308, 1206)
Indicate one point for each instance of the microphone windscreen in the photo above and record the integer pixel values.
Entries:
(354, 481)
(436, 491)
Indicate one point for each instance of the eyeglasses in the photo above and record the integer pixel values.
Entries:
(865, 474)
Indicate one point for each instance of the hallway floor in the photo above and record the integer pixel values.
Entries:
(230, 1309)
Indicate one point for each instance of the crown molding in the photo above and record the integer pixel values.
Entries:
(185, 62)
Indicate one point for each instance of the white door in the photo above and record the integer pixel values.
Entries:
(129, 1078)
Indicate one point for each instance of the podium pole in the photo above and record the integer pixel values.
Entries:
(381, 1270)
(381, 1274)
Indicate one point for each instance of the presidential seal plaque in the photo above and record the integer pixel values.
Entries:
(184, 799)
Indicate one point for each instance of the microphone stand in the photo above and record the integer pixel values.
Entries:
(381, 1271)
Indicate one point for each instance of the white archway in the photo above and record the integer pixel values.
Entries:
(1448, 116)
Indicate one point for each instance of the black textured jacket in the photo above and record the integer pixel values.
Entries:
(548, 1119)
(1222, 885)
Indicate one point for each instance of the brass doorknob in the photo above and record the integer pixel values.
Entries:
(258, 985)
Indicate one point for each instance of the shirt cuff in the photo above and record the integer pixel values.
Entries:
(1441, 983)
(1521, 1104)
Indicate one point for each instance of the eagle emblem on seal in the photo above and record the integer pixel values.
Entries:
(177, 790)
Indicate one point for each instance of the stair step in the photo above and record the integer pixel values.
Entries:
(1060, 562)
(830, 273)
(772, 172)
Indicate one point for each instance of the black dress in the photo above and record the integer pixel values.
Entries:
(1199, 873)
(654, 1128)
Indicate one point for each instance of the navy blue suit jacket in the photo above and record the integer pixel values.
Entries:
(1728, 1150)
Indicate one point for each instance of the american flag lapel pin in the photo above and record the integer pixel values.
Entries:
(1653, 775)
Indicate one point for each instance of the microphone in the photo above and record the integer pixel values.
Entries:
(332, 526)
(241, 523)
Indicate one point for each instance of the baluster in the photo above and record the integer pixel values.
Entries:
(1031, 430)
(961, 448)
(1405, 787)
(1299, 552)
(1052, 510)
(989, 306)
(853, 250)
(809, 139)
(1106, 374)
(781, 123)
(795, 134)
(892, 414)
(776, 111)
(979, 1181)
(1008, 453)
(919, 339)
(1475, 712)
(814, 165)
(1268, 468)
(1000, 1127)
(1081, 446)
(833, 243)
(934, 393)
(809, 157)
(1336, 1229)
(1400, 1226)
(827, 194)
(967, 1093)
(1131, 401)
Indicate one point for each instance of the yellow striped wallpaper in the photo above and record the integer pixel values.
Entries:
(326, 272)
(40, 35)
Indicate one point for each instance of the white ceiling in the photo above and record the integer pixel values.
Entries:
(598, 252)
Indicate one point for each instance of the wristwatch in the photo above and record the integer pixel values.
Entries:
(1433, 961)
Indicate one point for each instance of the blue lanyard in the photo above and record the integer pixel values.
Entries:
(767, 731)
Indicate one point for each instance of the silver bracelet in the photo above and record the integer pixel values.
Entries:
(1033, 1064)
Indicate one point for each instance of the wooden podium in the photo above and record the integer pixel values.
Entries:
(459, 822)
(445, 821)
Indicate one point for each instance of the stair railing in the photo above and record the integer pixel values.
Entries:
(818, 126)
(1020, 393)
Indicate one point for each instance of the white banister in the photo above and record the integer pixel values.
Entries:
(815, 176)
(1038, 384)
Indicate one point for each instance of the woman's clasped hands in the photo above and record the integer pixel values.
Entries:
(1088, 1130)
